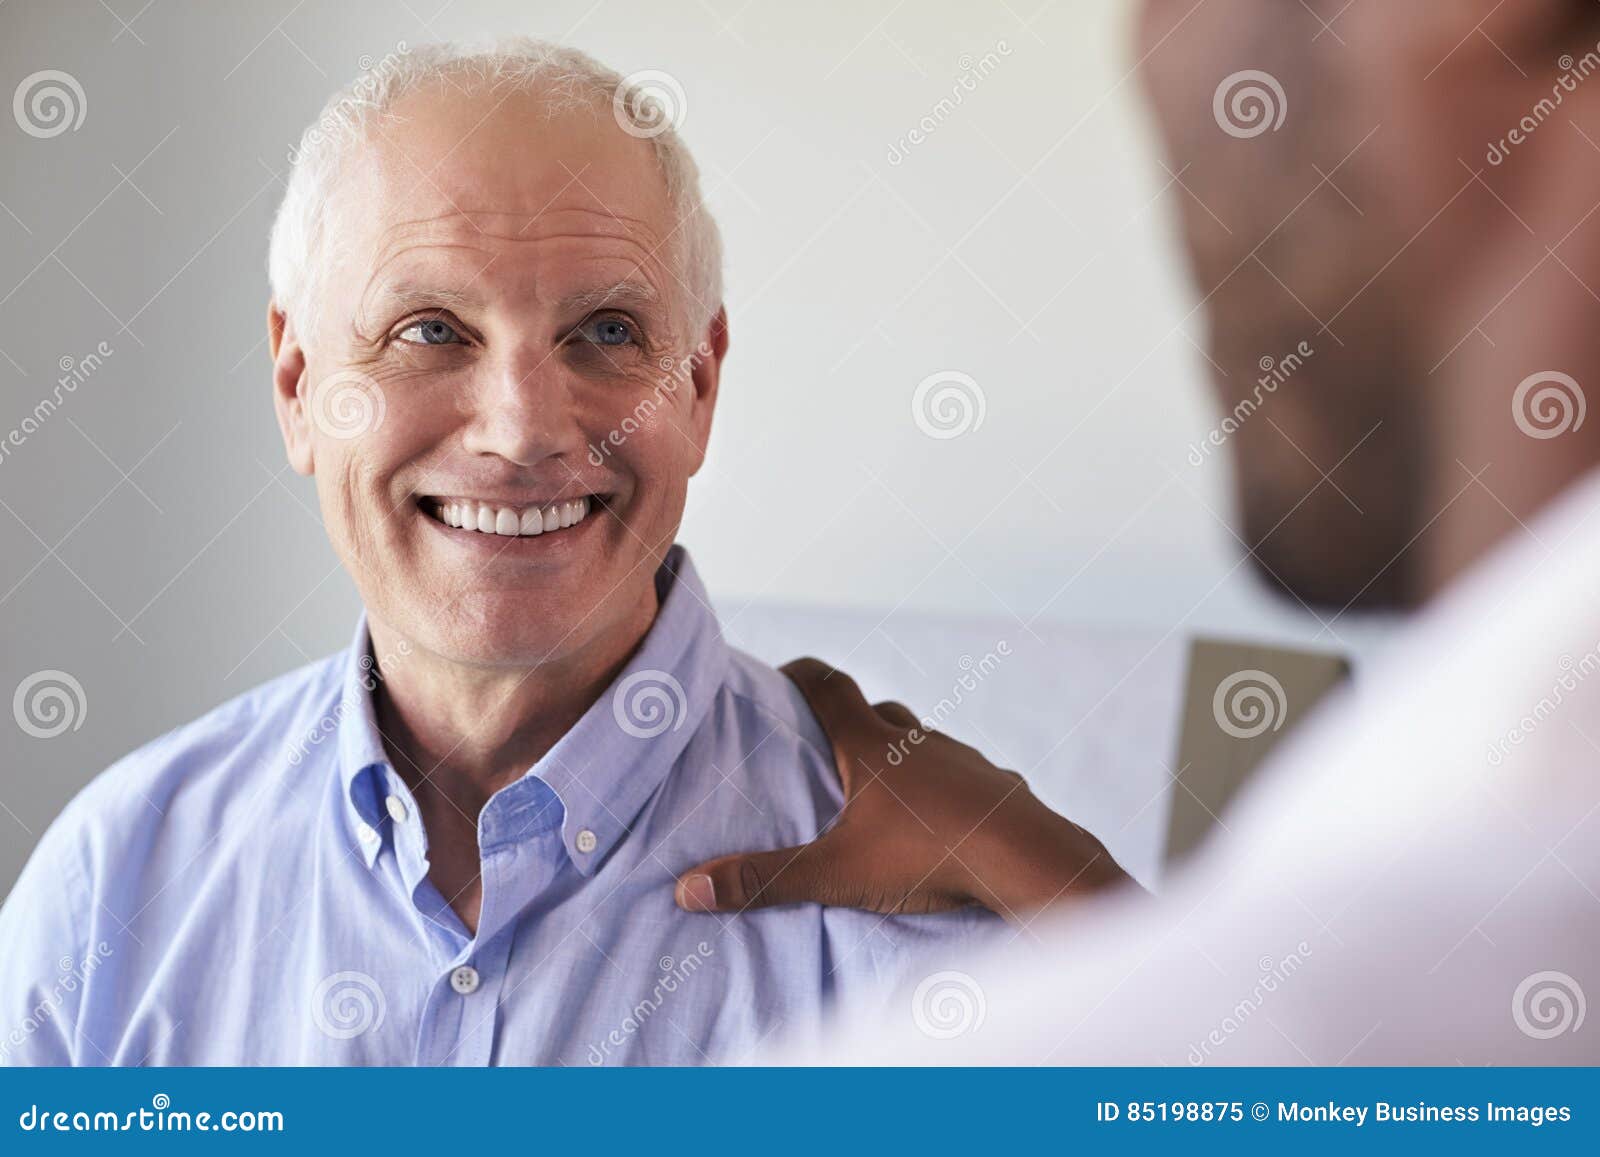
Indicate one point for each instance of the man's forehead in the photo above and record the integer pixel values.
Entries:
(514, 154)
(582, 285)
(557, 254)
(489, 228)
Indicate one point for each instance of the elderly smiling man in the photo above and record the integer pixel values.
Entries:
(497, 337)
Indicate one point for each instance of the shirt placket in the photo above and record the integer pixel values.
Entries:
(462, 1016)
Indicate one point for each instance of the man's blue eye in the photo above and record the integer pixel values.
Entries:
(430, 332)
(611, 331)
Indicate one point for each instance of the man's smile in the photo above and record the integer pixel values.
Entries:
(510, 521)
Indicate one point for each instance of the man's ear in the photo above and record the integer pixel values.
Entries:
(289, 388)
(707, 376)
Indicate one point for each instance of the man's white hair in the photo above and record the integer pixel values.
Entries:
(566, 79)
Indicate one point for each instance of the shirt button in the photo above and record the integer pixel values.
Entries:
(465, 980)
(586, 841)
(397, 809)
(366, 834)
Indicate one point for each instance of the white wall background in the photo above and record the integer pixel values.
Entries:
(153, 543)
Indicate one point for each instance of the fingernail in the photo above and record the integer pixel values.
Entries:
(699, 894)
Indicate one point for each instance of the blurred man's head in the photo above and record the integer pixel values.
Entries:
(1361, 177)
(497, 330)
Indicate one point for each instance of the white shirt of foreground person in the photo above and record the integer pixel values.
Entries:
(1413, 878)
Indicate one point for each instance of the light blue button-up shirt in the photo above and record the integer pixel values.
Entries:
(253, 888)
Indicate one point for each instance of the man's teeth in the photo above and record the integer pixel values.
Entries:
(509, 520)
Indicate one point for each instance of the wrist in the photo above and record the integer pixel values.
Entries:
(1042, 860)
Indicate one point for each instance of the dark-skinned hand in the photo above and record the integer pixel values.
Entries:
(928, 825)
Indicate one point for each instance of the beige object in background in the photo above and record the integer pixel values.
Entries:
(1240, 699)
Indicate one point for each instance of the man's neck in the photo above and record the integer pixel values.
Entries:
(468, 730)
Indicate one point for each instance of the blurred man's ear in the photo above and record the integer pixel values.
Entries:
(289, 388)
(707, 375)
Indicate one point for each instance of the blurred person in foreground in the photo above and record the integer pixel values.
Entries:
(1414, 877)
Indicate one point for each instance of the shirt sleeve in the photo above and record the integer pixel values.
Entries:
(46, 962)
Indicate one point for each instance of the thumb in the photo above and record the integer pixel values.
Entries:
(758, 880)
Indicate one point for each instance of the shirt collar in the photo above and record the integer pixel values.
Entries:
(606, 768)
(361, 755)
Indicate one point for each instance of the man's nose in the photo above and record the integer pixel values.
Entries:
(525, 410)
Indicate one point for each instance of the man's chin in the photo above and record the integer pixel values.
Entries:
(1332, 571)
(516, 648)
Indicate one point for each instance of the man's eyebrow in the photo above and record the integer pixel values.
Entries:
(409, 296)
(622, 293)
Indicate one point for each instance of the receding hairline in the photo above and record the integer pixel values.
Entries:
(561, 80)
